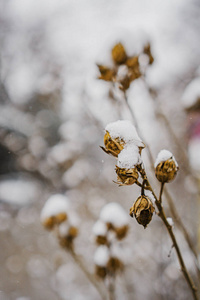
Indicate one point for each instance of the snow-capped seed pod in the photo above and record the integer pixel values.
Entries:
(166, 166)
(119, 54)
(100, 231)
(143, 210)
(113, 146)
(126, 176)
(54, 211)
(114, 216)
(101, 258)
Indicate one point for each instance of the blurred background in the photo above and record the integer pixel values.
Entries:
(53, 111)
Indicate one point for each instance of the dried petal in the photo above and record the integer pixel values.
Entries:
(143, 210)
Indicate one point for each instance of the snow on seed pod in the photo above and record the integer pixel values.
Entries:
(100, 231)
(166, 166)
(55, 211)
(143, 210)
(118, 134)
(127, 162)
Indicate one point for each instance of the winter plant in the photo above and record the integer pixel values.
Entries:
(121, 140)
(125, 143)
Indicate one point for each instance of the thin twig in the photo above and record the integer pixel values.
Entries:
(90, 276)
(162, 215)
(172, 207)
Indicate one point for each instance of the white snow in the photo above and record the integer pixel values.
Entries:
(64, 229)
(164, 155)
(18, 191)
(114, 213)
(170, 221)
(125, 130)
(191, 93)
(55, 205)
(99, 228)
(101, 256)
(129, 157)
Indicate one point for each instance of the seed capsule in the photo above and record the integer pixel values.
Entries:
(112, 146)
(126, 176)
(166, 170)
(119, 54)
(143, 210)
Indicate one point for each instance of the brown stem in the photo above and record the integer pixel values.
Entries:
(169, 228)
(90, 276)
(161, 191)
(172, 207)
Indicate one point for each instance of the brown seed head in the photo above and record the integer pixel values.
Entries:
(166, 170)
(119, 54)
(112, 146)
(143, 210)
(121, 232)
(51, 221)
(126, 176)
(107, 74)
(101, 240)
(100, 271)
(114, 265)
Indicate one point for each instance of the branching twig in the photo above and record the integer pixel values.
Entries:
(162, 215)
(172, 207)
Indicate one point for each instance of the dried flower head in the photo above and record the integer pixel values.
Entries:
(114, 265)
(143, 210)
(55, 211)
(126, 176)
(100, 231)
(119, 54)
(100, 271)
(107, 74)
(121, 232)
(113, 146)
(166, 166)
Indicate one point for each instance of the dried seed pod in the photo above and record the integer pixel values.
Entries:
(112, 146)
(166, 170)
(107, 74)
(119, 54)
(50, 222)
(100, 271)
(73, 231)
(126, 176)
(121, 232)
(143, 210)
(101, 240)
(114, 265)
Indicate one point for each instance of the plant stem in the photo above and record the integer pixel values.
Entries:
(169, 228)
(172, 207)
(90, 276)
